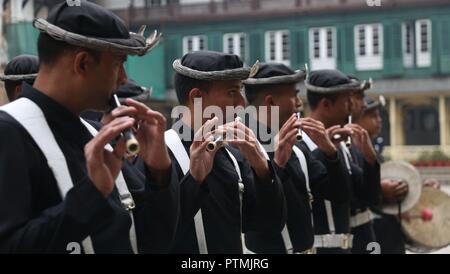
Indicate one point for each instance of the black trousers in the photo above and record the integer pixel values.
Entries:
(389, 235)
(362, 236)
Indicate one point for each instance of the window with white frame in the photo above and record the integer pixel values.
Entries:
(416, 43)
(408, 45)
(369, 46)
(278, 47)
(322, 48)
(423, 43)
(236, 43)
(194, 43)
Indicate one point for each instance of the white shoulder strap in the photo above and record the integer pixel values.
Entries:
(311, 145)
(284, 232)
(302, 159)
(330, 218)
(241, 190)
(31, 117)
(304, 166)
(347, 159)
(125, 196)
(175, 145)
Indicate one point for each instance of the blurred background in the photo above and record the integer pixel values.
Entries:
(403, 45)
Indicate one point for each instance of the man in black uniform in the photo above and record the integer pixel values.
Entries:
(303, 177)
(366, 176)
(387, 228)
(233, 188)
(58, 186)
(328, 93)
(22, 68)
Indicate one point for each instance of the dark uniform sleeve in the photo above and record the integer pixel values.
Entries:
(157, 210)
(366, 179)
(22, 230)
(329, 178)
(157, 206)
(192, 195)
(263, 207)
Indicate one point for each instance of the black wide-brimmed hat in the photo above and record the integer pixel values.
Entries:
(211, 65)
(21, 68)
(275, 74)
(328, 81)
(92, 26)
(372, 104)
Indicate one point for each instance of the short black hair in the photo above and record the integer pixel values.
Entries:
(314, 98)
(50, 50)
(254, 93)
(10, 86)
(184, 84)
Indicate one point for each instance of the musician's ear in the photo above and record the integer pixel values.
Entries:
(194, 93)
(325, 103)
(81, 61)
(269, 101)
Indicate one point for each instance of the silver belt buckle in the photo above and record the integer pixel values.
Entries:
(309, 251)
(345, 242)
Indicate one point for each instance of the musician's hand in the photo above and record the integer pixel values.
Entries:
(285, 140)
(431, 182)
(362, 141)
(150, 135)
(393, 190)
(319, 135)
(103, 166)
(202, 160)
(118, 112)
(245, 140)
(338, 134)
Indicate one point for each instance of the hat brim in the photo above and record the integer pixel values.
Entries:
(350, 87)
(380, 103)
(135, 45)
(230, 74)
(372, 106)
(18, 77)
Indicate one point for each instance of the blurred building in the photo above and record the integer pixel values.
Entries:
(404, 45)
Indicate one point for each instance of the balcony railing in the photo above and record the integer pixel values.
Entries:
(229, 9)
